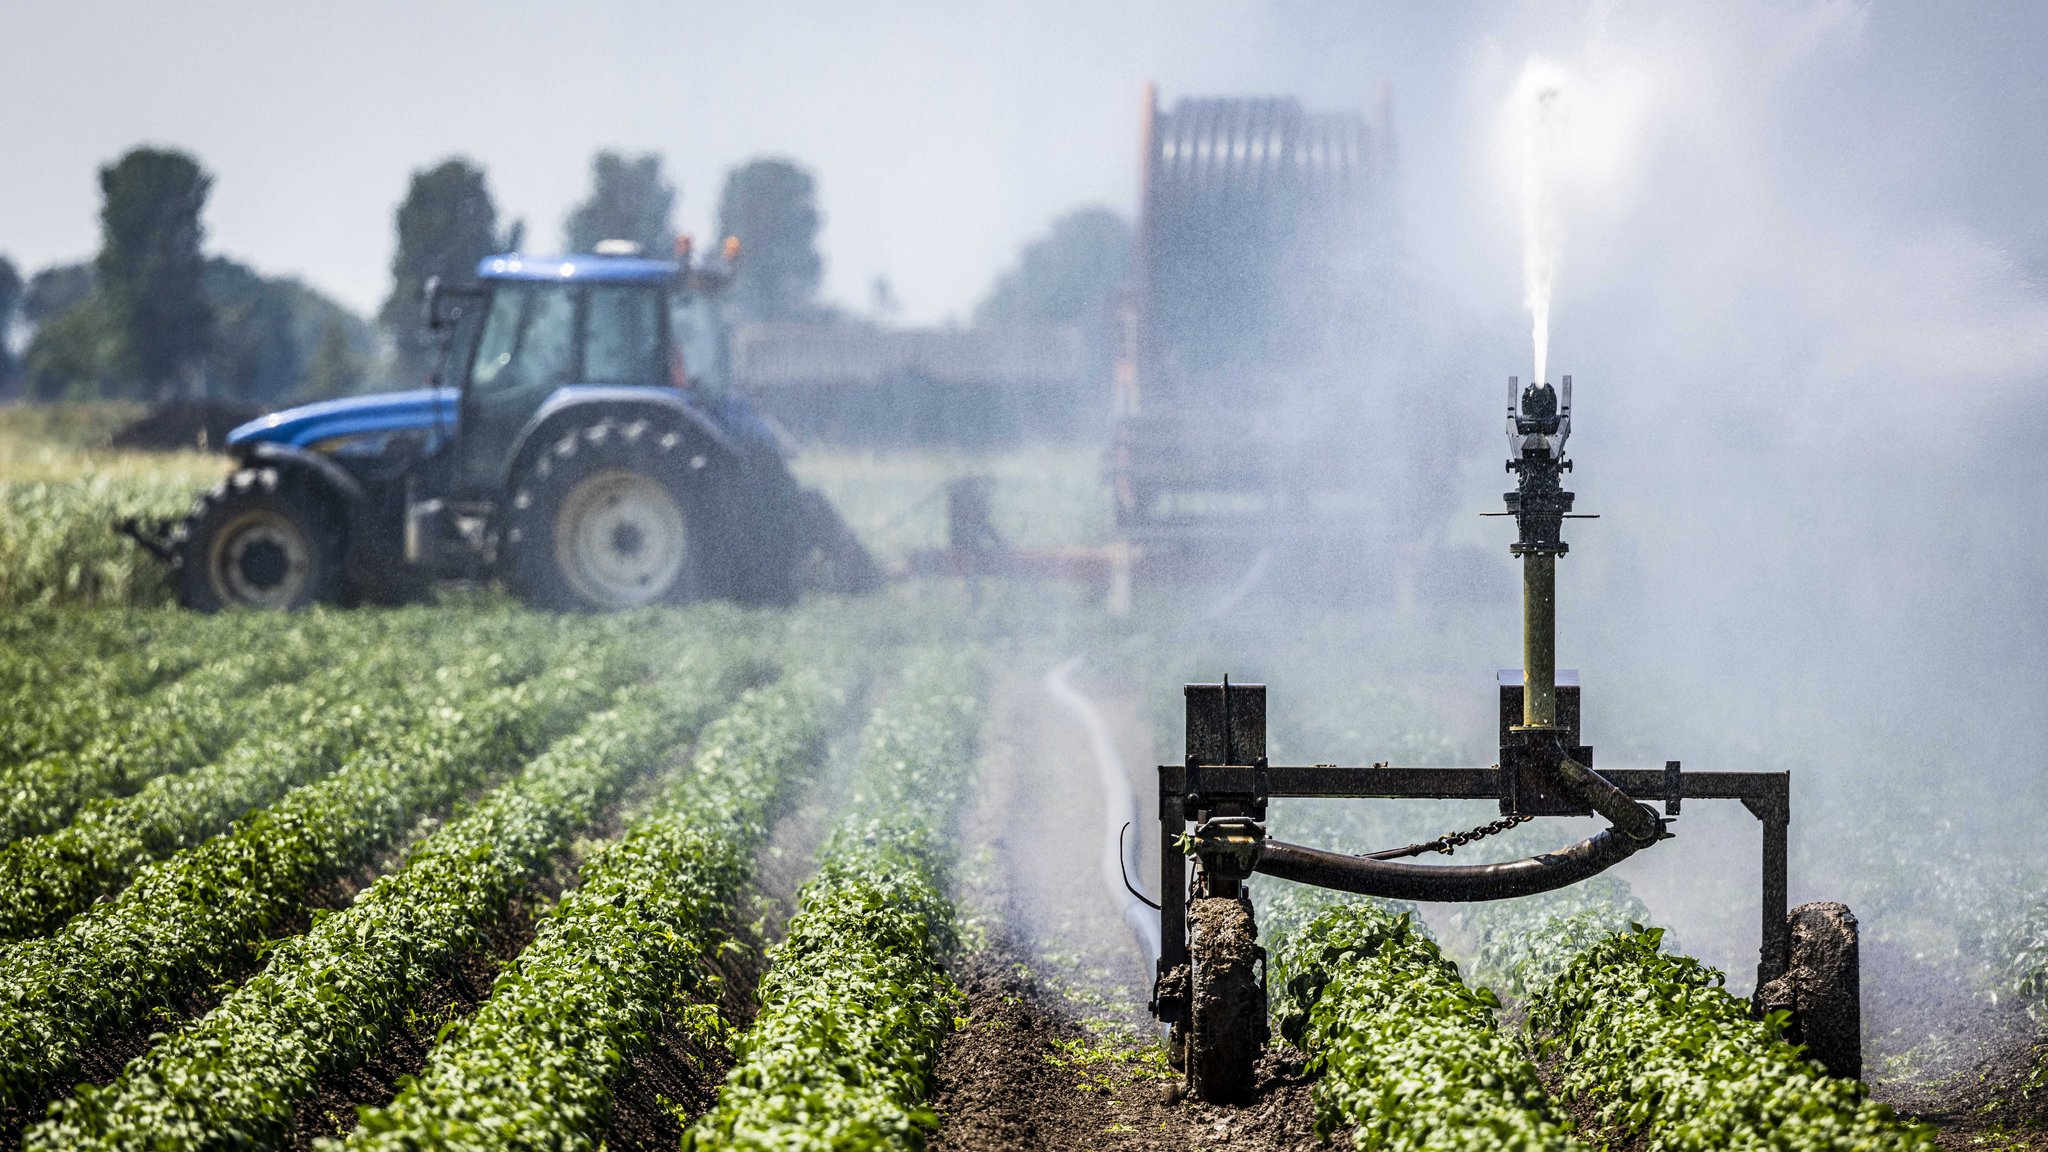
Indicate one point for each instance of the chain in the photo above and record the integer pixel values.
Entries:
(1450, 842)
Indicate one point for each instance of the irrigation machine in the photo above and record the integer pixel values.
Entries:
(1210, 983)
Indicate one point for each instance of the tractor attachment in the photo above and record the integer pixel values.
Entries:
(1205, 987)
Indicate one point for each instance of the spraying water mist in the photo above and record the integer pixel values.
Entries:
(1539, 117)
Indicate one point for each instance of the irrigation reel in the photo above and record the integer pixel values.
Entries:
(1210, 980)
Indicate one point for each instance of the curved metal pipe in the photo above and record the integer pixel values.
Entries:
(1459, 883)
(1628, 817)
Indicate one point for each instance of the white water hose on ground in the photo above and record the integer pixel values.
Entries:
(1119, 805)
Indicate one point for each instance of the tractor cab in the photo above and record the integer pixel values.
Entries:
(534, 331)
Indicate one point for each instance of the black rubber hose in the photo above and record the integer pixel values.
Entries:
(1459, 883)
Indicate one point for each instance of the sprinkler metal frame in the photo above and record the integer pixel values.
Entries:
(1224, 783)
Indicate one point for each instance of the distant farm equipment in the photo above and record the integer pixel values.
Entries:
(580, 442)
(1235, 427)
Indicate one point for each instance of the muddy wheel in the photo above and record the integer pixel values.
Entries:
(261, 539)
(1823, 988)
(1227, 1010)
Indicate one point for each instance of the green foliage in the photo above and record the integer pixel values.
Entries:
(1069, 276)
(338, 366)
(856, 1001)
(273, 333)
(326, 1000)
(273, 338)
(58, 546)
(541, 1056)
(1669, 1060)
(189, 920)
(294, 734)
(149, 268)
(1409, 1057)
(629, 200)
(181, 727)
(54, 291)
(446, 224)
(771, 205)
(1524, 944)
(76, 355)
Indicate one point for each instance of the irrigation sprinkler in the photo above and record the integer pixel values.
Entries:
(1210, 984)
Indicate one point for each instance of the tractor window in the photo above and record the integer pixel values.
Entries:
(693, 323)
(526, 351)
(623, 345)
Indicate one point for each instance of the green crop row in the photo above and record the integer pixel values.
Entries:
(536, 1065)
(190, 919)
(42, 649)
(1668, 1060)
(1523, 945)
(1408, 1056)
(856, 1001)
(53, 713)
(326, 1001)
(304, 731)
(183, 725)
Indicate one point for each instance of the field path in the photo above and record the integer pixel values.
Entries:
(1051, 1056)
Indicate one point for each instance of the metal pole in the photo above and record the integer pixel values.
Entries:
(1539, 639)
(1776, 953)
(1173, 874)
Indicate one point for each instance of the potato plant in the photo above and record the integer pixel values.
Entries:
(57, 544)
(1523, 945)
(1666, 1058)
(306, 732)
(1409, 1057)
(191, 919)
(326, 1000)
(856, 1001)
(536, 1065)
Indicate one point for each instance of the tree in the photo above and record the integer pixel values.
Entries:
(149, 269)
(54, 291)
(446, 224)
(1070, 276)
(629, 200)
(256, 354)
(336, 368)
(74, 354)
(10, 303)
(771, 205)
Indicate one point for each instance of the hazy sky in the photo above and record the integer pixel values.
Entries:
(944, 135)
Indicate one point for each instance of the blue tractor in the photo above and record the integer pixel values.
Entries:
(580, 441)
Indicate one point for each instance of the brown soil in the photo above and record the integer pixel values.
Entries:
(1007, 1081)
(1937, 1051)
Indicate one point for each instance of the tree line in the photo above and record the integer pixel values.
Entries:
(153, 316)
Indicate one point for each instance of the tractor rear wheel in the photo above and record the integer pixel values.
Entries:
(608, 516)
(1227, 1007)
(260, 539)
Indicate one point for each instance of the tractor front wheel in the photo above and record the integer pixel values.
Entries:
(260, 539)
(606, 517)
